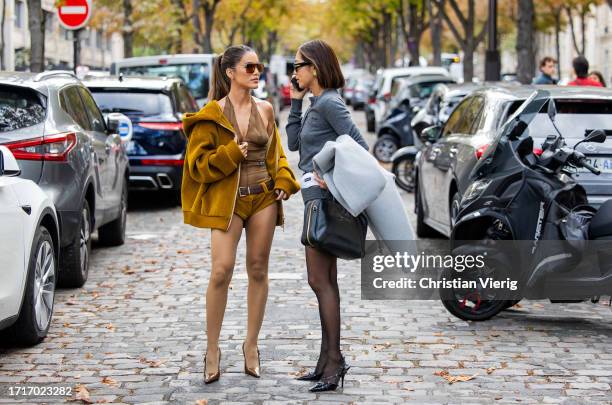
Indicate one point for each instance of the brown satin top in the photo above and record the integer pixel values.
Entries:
(253, 169)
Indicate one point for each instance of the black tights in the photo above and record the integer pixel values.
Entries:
(322, 278)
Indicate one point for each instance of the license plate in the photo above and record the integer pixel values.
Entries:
(604, 164)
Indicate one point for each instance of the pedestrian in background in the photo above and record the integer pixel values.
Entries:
(581, 70)
(235, 176)
(547, 71)
(317, 70)
(598, 77)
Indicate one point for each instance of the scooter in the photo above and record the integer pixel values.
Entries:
(532, 220)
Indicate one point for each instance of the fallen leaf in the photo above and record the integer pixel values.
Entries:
(66, 325)
(490, 370)
(202, 402)
(89, 356)
(95, 295)
(454, 378)
(110, 327)
(128, 270)
(81, 394)
(183, 251)
(109, 381)
(71, 302)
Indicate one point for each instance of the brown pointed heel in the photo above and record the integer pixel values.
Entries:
(254, 371)
(212, 377)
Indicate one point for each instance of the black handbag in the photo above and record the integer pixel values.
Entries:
(329, 227)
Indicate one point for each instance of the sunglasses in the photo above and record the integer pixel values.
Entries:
(298, 65)
(250, 67)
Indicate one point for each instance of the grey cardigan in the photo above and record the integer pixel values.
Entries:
(325, 120)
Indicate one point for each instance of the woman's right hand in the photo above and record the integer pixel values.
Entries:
(244, 148)
(294, 93)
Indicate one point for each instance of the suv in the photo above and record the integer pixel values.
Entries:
(155, 106)
(52, 125)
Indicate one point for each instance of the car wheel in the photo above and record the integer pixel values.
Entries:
(404, 173)
(385, 147)
(37, 308)
(422, 229)
(75, 257)
(113, 233)
(455, 204)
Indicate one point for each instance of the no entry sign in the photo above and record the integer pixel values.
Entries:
(73, 14)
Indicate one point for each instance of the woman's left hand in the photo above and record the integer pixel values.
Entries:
(319, 180)
(281, 195)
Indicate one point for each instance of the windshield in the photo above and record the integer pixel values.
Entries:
(511, 131)
(132, 102)
(195, 75)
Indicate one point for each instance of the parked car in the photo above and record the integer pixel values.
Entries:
(29, 255)
(445, 163)
(396, 132)
(443, 100)
(155, 106)
(54, 128)
(361, 91)
(383, 85)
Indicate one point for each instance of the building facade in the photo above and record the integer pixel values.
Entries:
(98, 49)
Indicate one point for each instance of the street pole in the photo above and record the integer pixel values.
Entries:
(76, 48)
(493, 61)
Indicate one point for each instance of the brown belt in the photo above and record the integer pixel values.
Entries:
(256, 188)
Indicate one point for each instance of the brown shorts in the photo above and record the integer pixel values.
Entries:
(250, 204)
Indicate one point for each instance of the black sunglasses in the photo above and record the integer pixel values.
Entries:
(250, 67)
(298, 65)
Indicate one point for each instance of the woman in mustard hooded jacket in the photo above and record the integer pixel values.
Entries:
(235, 176)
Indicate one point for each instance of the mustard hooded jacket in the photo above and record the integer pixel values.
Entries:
(211, 170)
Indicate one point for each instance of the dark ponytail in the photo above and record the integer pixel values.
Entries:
(228, 59)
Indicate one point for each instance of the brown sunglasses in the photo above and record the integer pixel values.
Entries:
(250, 67)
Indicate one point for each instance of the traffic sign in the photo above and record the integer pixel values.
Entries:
(73, 14)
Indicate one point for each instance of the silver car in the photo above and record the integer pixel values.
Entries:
(54, 128)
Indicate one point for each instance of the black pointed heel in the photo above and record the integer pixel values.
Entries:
(312, 376)
(331, 383)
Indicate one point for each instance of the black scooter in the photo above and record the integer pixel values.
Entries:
(533, 220)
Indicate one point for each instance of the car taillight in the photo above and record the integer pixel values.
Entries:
(372, 100)
(481, 150)
(538, 151)
(162, 126)
(48, 147)
(387, 96)
(161, 162)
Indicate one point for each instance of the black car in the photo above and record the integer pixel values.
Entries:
(410, 96)
(155, 106)
(452, 150)
(52, 125)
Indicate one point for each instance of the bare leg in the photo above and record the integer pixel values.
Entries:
(321, 266)
(223, 252)
(259, 233)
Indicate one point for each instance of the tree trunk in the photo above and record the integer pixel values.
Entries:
(468, 63)
(524, 41)
(387, 38)
(36, 25)
(209, 7)
(435, 29)
(414, 33)
(197, 26)
(2, 61)
(557, 42)
(128, 31)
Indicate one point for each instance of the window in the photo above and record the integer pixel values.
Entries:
(195, 75)
(456, 117)
(71, 103)
(186, 102)
(19, 14)
(95, 116)
(49, 21)
(468, 123)
(20, 108)
(133, 101)
(99, 39)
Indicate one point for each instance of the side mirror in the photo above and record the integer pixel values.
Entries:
(431, 134)
(8, 163)
(552, 109)
(597, 136)
(118, 123)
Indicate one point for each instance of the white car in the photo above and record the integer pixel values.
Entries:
(387, 82)
(29, 255)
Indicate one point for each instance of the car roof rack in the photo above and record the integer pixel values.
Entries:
(48, 74)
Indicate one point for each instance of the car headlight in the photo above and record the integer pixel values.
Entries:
(475, 190)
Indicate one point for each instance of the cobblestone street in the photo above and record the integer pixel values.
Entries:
(135, 332)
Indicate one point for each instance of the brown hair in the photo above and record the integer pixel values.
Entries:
(228, 59)
(545, 60)
(600, 76)
(325, 61)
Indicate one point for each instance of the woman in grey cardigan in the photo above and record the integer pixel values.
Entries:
(317, 70)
